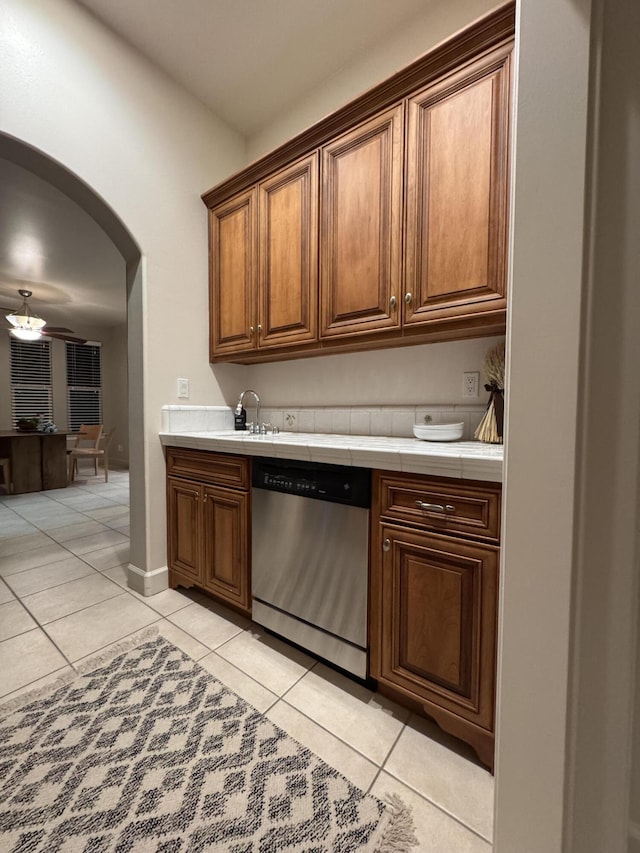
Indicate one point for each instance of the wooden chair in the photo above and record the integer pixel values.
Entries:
(87, 446)
(96, 453)
(5, 467)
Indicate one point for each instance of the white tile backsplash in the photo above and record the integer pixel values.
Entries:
(341, 421)
(360, 422)
(196, 418)
(306, 421)
(322, 420)
(391, 421)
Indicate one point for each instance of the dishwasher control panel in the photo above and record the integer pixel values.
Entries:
(335, 483)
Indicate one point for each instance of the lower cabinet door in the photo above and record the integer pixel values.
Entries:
(434, 632)
(225, 531)
(184, 537)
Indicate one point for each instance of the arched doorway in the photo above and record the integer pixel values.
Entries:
(70, 185)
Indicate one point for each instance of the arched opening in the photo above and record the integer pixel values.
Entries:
(78, 191)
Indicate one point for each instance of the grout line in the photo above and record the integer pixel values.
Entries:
(440, 807)
(24, 688)
(393, 746)
(334, 735)
(243, 673)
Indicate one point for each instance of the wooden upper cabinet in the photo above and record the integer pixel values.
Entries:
(233, 270)
(456, 189)
(384, 224)
(361, 227)
(288, 255)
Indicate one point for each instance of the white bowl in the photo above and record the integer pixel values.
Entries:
(438, 432)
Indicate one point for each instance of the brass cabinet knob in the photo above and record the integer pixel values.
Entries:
(251, 330)
(386, 545)
(407, 298)
(393, 302)
(259, 329)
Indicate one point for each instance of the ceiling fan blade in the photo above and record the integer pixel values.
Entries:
(64, 337)
(57, 329)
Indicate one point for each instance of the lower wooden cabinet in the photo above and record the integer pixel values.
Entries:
(208, 524)
(433, 606)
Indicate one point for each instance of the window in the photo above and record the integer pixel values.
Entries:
(31, 379)
(84, 384)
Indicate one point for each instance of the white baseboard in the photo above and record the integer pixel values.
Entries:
(148, 583)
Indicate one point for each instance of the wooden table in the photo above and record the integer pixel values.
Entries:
(38, 459)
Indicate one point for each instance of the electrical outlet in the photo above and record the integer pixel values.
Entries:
(183, 388)
(470, 384)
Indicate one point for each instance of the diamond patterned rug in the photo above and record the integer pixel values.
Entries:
(148, 752)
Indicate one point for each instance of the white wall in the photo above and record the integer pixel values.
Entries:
(74, 91)
(570, 556)
(415, 375)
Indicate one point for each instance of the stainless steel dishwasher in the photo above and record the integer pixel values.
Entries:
(310, 545)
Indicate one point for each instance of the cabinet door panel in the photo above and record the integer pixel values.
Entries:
(435, 603)
(360, 227)
(457, 193)
(288, 255)
(436, 625)
(232, 241)
(184, 528)
(225, 545)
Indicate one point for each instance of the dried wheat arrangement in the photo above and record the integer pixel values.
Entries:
(490, 429)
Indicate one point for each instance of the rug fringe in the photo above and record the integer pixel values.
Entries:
(399, 834)
(101, 658)
(94, 662)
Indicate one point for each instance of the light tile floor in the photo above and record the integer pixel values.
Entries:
(64, 596)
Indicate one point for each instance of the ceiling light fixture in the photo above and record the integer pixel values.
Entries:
(26, 325)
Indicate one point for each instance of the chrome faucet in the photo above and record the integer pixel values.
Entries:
(240, 401)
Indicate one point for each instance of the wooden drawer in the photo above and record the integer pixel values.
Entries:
(467, 508)
(221, 469)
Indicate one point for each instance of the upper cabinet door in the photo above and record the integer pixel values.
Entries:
(457, 169)
(234, 270)
(360, 227)
(288, 255)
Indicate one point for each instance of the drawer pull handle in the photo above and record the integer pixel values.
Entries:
(435, 507)
(386, 545)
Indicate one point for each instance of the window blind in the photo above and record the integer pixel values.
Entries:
(84, 384)
(30, 370)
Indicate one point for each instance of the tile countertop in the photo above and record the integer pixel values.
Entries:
(471, 460)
